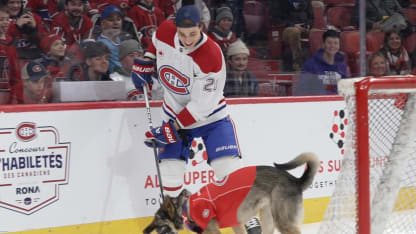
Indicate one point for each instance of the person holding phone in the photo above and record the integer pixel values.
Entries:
(26, 29)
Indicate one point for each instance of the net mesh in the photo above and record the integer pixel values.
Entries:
(392, 168)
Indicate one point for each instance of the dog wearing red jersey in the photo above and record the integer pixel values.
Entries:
(271, 191)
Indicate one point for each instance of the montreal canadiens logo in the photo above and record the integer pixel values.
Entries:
(148, 31)
(26, 131)
(174, 80)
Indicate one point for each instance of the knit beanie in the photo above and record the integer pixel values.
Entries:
(47, 42)
(237, 47)
(222, 13)
(127, 47)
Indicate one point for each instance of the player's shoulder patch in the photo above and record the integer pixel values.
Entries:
(208, 57)
(166, 32)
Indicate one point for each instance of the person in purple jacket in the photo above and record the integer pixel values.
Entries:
(327, 66)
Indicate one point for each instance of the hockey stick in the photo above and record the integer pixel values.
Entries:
(149, 118)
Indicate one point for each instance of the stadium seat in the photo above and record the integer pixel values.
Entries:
(411, 14)
(261, 68)
(340, 17)
(275, 40)
(332, 3)
(374, 41)
(315, 40)
(410, 43)
(254, 15)
(350, 42)
(318, 14)
(350, 45)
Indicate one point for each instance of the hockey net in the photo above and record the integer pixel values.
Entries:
(376, 188)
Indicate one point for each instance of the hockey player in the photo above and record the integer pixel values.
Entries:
(192, 69)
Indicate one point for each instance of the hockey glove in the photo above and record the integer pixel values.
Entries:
(142, 73)
(163, 135)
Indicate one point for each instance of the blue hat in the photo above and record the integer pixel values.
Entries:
(108, 10)
(33, 71)
(187, 17)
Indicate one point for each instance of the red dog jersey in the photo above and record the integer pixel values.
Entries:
(221, 199)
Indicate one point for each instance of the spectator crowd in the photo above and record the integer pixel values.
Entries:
(43, 42)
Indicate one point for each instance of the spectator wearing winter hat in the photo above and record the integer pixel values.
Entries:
(147, 17)
(240, 82)
(35, 80)
(111, 23)
(95, 67)
(221, 33)
(130, 50)
(73, 24)
(54, 58)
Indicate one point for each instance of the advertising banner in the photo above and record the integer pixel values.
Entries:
(68, 167)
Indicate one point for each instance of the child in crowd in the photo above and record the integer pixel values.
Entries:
(328, 64)
(398, 60)
(221, 33)
(54, 58)
(26, 30)
(72, 24)
(130, 50)
(35, 80)
(377, 64)
(95, 67)
(147, 17)
(8, 58)
(111, 21)
(240, 82)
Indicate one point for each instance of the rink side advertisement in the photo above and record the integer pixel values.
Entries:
(75, 169)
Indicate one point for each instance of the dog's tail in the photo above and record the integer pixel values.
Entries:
(312, 167)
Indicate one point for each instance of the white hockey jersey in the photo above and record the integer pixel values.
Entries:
(193, 80)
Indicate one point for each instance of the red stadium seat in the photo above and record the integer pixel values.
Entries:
(315, 40)
(374, 41)
(332, 3)
(410, 42)
(340, 17)
(318, 14)
(350, 45)
(275, 40)
(350, 42)
(254, 15)
(261, 68)
(411, 14)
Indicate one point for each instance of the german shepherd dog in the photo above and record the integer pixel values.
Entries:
(275, 194)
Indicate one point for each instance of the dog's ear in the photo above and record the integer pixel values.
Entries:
(185, 194)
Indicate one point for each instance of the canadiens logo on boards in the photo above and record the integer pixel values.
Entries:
(33, 164)
(174, 80)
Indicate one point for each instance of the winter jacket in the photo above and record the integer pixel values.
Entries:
(283, 12)
(248, 86)
(329, 74)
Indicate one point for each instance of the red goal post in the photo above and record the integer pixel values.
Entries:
(375, 191)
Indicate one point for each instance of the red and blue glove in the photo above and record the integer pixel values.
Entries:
(163, 135)
(142, 73)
